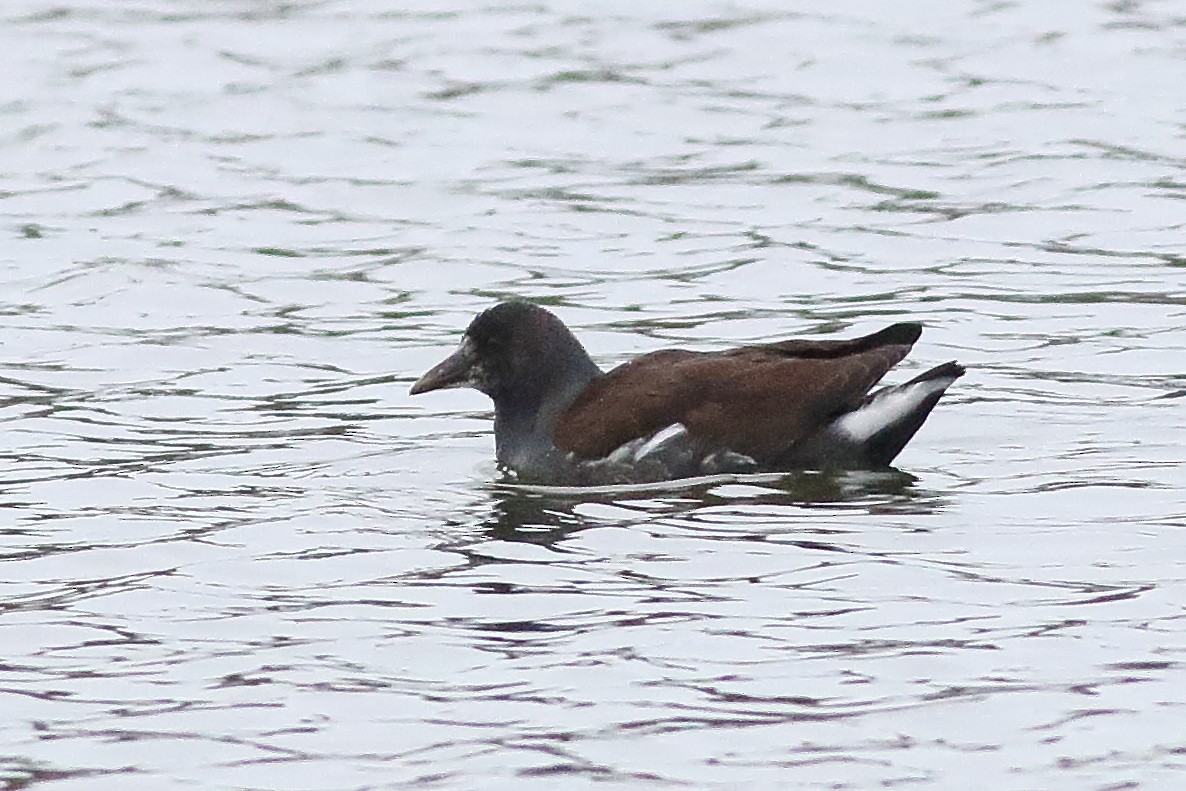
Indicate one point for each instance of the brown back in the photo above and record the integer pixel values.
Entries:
(756, 400)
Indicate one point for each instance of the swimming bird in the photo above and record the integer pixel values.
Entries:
(772, 407)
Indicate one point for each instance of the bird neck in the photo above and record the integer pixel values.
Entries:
(524, 419)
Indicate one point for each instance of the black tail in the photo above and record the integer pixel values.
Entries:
(888, 441)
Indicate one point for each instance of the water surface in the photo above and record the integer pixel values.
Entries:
(236, 554)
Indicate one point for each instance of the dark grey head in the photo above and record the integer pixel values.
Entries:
(518, 354)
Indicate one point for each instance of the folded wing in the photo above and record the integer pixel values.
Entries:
(757, 400)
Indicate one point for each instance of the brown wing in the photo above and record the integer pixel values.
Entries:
(757, 400)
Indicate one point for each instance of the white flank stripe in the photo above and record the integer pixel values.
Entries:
(660, 438)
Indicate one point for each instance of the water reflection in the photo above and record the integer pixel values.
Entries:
(532, 518)
(545, 515)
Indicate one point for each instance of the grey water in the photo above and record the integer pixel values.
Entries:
(235, 554)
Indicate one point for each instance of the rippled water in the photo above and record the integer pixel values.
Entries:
(236, 554)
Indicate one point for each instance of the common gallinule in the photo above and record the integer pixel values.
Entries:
(788, 405)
